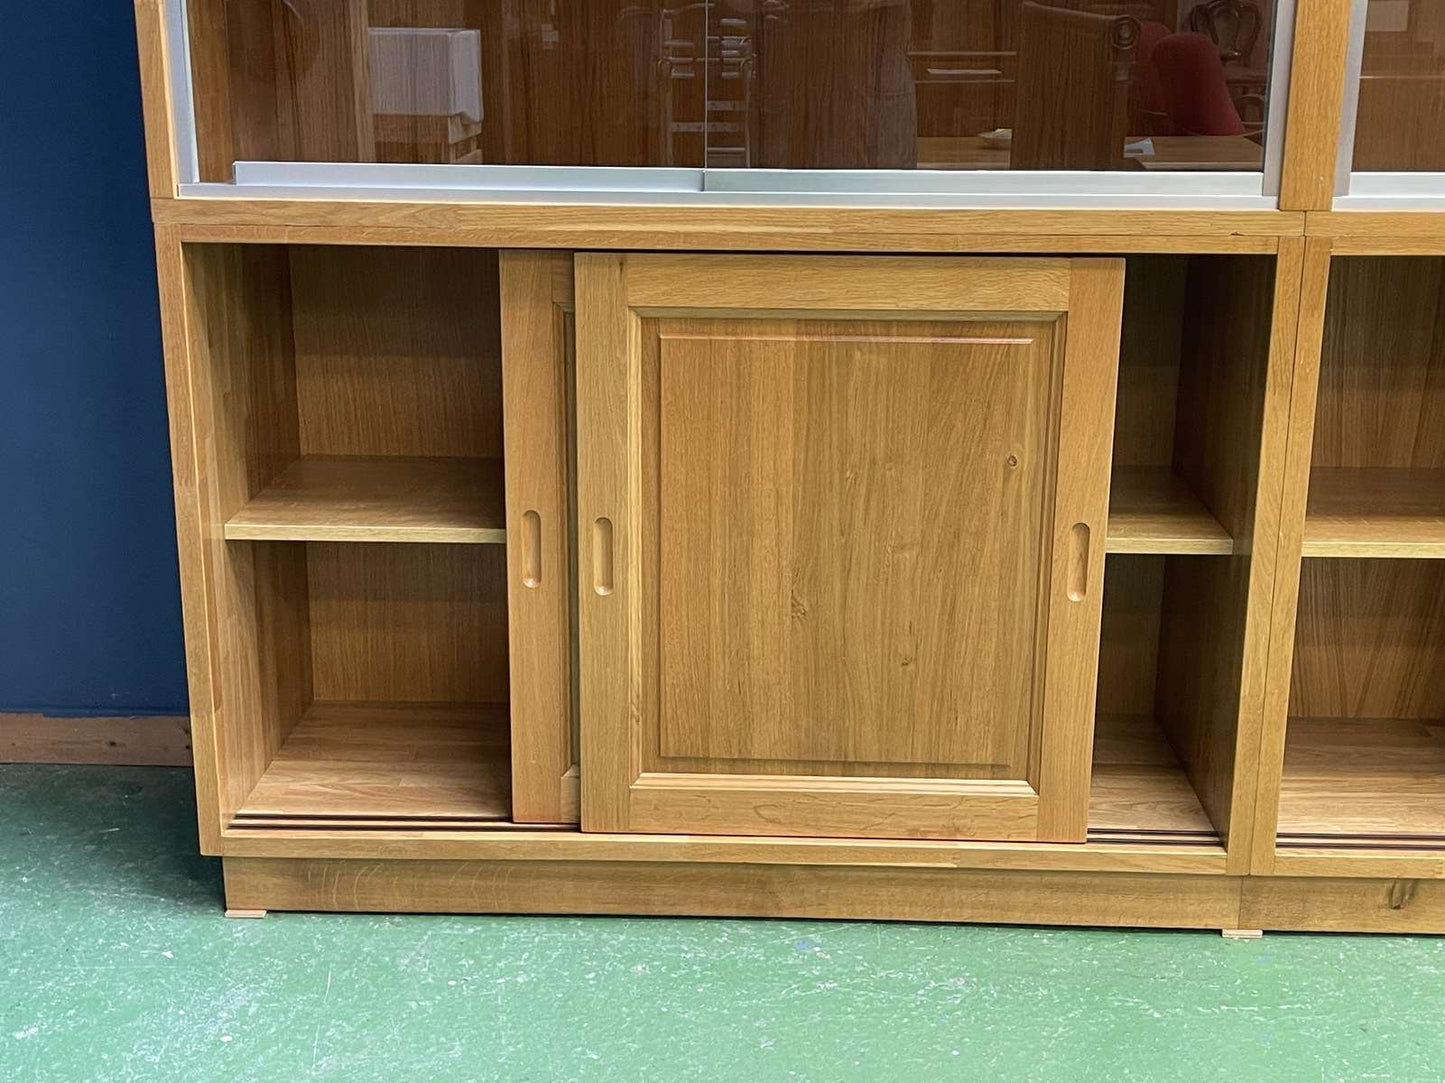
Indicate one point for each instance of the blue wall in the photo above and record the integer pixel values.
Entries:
(89, 600)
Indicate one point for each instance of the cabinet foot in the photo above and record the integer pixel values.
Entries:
(1241, 934)
(230, 913)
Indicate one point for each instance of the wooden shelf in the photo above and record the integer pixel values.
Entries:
(1139, 791)
(1375, 513)
(1370, 781)
(1153, 510)
(378, 499)
(383, 764)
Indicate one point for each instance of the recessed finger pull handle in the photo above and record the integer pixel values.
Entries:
(531, 549)
(1078, 575)
(602, 556)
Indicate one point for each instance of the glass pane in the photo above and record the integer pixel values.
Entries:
(828, 84)
(989, 84)
(534, 82)
(1401, 119)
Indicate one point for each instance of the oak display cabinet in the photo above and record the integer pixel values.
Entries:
(821, 551)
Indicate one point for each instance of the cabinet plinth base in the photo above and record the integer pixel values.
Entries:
(236, 913)
(1242, 934)
(1236, 905)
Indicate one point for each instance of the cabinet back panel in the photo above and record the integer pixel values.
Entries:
(1370, 640)
(1149, 360)
(398, 351)
(1382, 370)
(408, 623)
(1129, 640)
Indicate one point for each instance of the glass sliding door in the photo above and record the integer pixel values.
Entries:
(727, 93)
(989, 84)
(516, 82)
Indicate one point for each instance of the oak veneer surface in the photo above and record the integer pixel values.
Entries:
(798, 478)
(377, 498)
(1375, 512)
(414, 623)
(397, 351)
(858, 439)
(538, 380)
(1138, 788)
(1370, 640)
(1153, 510)
(362, 761)
(1381, 399)
(1363, 778)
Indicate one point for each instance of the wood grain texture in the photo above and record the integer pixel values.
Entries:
(376, 498)
(215, 798)
(1381, 233)
(1129, 634)
(398, 352)
(1239, 351)
(1153, 510)
(679, 284)
(821, 480)
(1375, 512)
(1357, 779)
(499, 841)
(1298, 439)
(407, 623)
(1381, 399)
(234, 373)
(538, 377)
(155, 88)
(729, 422)
(735, 891)
(1138, 788)
(1070, 661)
(1142, 810)
(143, 740)
(760, 228)
(1369, 861)
(1370, 640)
(1343, 905)
(1316, 99)
(1155, 291)
(356, 763)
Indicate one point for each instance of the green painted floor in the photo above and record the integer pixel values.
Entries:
(115, 964)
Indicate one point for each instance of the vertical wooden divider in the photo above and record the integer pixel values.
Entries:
(1299, 437)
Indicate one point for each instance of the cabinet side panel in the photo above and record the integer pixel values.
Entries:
(242, 391)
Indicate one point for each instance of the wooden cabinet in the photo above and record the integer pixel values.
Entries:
(844, 526)
(720, 553)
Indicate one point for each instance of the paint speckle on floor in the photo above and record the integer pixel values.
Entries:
(116, 965)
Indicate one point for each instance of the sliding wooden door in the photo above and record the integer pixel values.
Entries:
(841, 537)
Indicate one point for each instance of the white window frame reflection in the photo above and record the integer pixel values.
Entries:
(973, 188)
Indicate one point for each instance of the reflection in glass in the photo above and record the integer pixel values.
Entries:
(793, 84)
(1400, 124)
